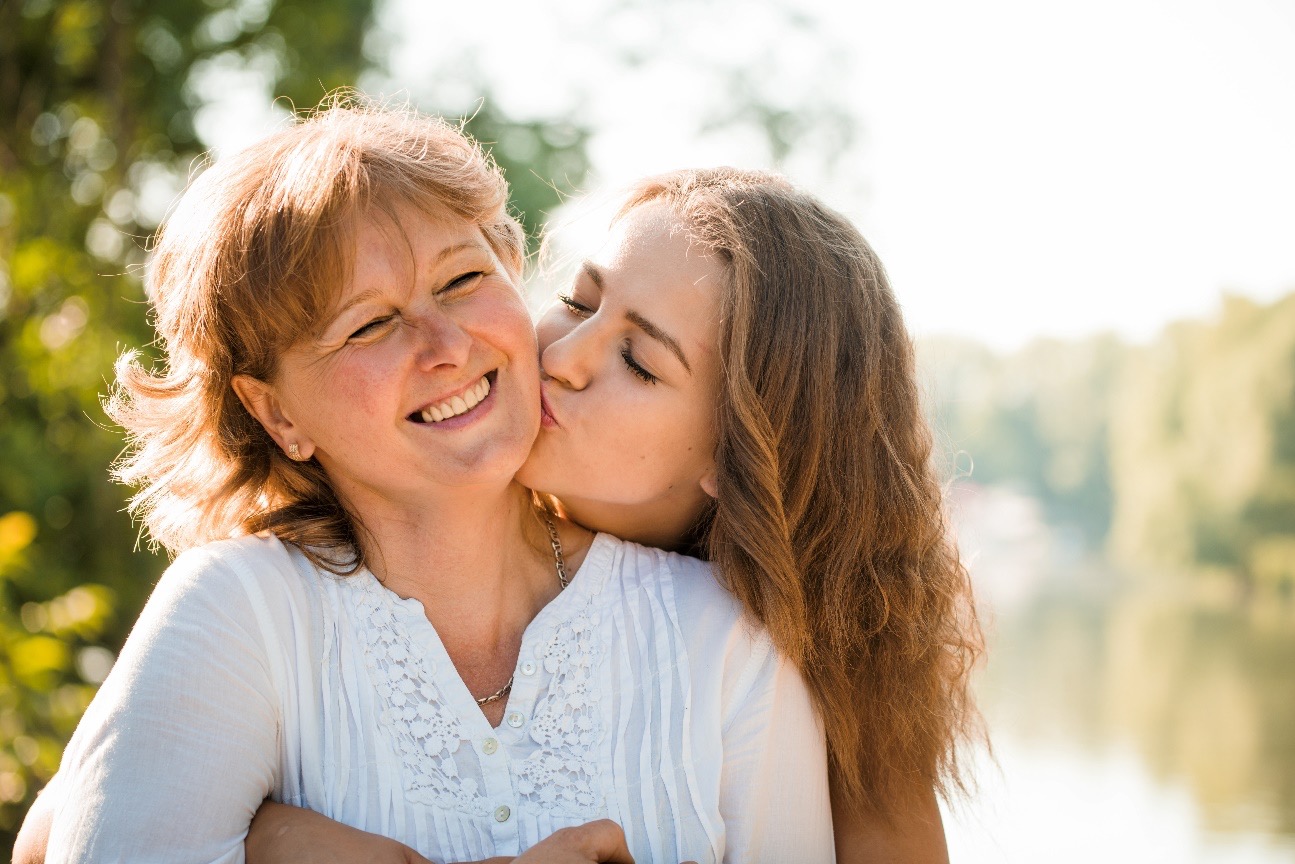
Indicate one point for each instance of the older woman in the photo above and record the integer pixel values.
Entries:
(369, 617)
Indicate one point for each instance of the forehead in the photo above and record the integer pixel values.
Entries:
(402, 242)
(651, 267)
(649, 250)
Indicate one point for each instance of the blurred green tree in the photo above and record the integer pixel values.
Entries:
(1036, 420)
(100, 110)
(1203, 448)
(1176, 457)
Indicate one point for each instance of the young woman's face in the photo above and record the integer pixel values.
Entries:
(424, 376)
(630, 383)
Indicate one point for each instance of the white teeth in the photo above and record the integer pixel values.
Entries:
(457, 405)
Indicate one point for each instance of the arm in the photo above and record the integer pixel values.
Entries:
(282, 834)
(914, 835)
(291, 835)
(33, 837)
(774, 786)
(180, 745)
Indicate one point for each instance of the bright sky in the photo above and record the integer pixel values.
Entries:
(1023, 168)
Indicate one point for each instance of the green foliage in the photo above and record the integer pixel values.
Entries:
(1203, 458)
(544, 162)
(1179, 455)
(1037, 420)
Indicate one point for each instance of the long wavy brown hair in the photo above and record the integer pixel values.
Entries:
(829, 525)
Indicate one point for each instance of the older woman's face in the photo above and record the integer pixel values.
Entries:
(425, 375)
(631, 381)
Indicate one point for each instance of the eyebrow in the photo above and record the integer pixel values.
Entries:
(652, 330)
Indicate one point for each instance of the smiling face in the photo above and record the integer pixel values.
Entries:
(631, 381)
(423, 377)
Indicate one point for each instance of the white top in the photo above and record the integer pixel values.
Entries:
(641, 695)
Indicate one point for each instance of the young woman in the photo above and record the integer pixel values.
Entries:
(826, 520)
(730, 373)
(369, 617)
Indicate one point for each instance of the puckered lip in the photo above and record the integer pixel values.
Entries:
(546, 409)
(491, 376)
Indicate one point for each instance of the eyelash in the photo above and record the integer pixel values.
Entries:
(462, 280)
(576, 308)
(371, 326)
(635, 369)
(453, 284)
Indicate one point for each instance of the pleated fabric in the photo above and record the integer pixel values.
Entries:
(640, 694)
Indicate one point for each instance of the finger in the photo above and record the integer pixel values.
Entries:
(608, 842)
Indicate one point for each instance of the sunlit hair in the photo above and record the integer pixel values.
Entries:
(251, 262)
(829, 524)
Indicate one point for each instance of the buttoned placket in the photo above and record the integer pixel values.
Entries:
(508, 742)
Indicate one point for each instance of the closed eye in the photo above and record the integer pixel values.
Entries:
(373, 327)
(576, 307)
(637, 370)
(464, 281)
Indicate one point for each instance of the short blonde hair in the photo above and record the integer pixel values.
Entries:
(247, 265)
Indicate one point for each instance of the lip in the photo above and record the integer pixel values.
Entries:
(466, 418)
(547, 420)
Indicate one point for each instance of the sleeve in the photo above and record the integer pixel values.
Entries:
(179, 746)
(773, 785)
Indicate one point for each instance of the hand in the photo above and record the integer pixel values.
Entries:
(281, 834)
(601, 842)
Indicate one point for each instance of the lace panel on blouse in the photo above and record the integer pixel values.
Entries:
(426, 731)
(563, 774)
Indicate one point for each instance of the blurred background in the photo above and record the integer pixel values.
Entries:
(1088, 213)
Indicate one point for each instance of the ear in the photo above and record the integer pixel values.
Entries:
(262, 402)
(710, 482)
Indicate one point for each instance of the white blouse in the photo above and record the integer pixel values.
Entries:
(641, 695)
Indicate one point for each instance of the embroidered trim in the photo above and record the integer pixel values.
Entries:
(427, 733)
(563, 774)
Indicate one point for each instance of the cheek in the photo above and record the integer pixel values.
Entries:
(355, 396)
(500, 318)
(658, 440)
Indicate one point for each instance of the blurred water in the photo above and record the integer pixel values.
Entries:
(1128, 723)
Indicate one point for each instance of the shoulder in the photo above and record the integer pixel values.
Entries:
(689, 583)
(253, 553)
(254, 575)
(707, 617)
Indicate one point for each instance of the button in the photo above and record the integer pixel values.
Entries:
(516, 720)
(489, 746)
(502, 813)
(528, 668)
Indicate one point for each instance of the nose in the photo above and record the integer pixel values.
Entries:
(440, 341)
(565, 355)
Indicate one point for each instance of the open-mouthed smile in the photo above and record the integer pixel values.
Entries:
(461, 403)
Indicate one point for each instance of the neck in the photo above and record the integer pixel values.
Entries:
(666, 526)
(479, 561)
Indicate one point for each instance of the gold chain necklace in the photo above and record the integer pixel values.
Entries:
(561, 566)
